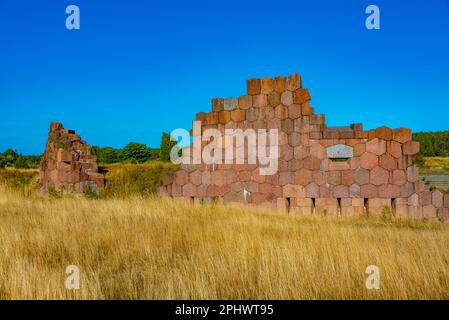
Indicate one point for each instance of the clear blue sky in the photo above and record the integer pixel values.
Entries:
(136, 68)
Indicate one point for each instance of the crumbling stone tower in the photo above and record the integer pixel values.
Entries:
(68, 163)
(322, 169)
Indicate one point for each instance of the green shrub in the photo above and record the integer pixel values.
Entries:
(166, 146)
(135, 179)
(92, 194)
(137, 152)
(53, 193)
(386, 214)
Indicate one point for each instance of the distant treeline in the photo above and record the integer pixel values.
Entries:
(11, 158)
(135, 152)
(433, 144)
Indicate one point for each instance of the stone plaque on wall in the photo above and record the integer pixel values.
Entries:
(340, 151)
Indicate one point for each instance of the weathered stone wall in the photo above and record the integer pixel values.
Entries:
(371, 169)
(68, 163)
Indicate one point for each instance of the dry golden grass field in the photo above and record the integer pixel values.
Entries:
(138, 247)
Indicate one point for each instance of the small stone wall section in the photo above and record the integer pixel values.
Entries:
(68, 163)
(379, 174)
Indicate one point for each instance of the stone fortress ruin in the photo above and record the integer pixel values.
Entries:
(68, 163)
(321, 169)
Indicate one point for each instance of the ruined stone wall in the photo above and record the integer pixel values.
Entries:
(68, 163)
(335, 170)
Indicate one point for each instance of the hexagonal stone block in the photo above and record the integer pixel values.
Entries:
(280, 84)
(295, 139)
(407, 190)
(218, 177)
(384, 133)
(230, 104)
(319, 177)
(253, 86)
(398, 177)
(245, 102)
(317, 150)
(359, 149)
(303, 177)
(312, 190)
(402, 135)
(224, 117)
(341, 191)
(429, 212)
(195, 177)
(285, 178)
(361, 176)
(412, 174)
(376, 146)
(354, 191)
(369, 191)
(410, 148)
(369, 160)
(379, 176)
(347, 177)
(443, 214)
(425, 198)
(317, 119)
(389, 191)
(300, 152)
(394, 148)
(281, 112)
(293, 191)
(217, 104)
(267, 85)
(181, 177)
(404, 162)
(212, 118)
(333, 177)
(274, 99)
(238, 115)
(260, 100)
(189, 190)
(287, 125)
(312, 163)
(294, 82)
(301, 96)
(306, 109)
(388, 162)
(294, 111)
(252, 114)
(326, 191)
(287, 98)
(437, 198)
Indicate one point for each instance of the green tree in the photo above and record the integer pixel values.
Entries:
(137, 152)
(166, 146)
(10, 156)
(108, 154)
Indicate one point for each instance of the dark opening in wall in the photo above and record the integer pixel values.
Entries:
(313, 206)
(365, 205)
(393, 206)
(287, 204)
(339, 206)
(339, 159)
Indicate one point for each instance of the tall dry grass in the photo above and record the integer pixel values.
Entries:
(152, 248)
